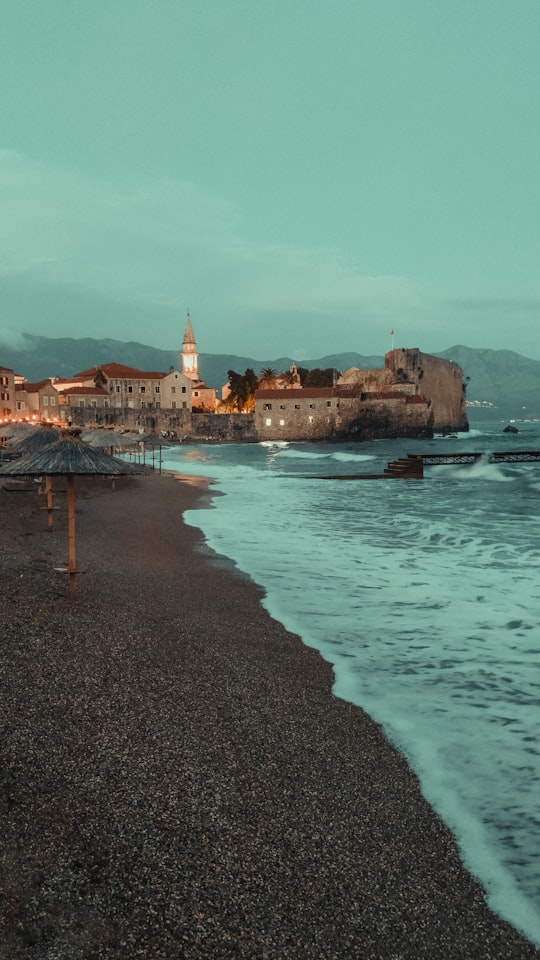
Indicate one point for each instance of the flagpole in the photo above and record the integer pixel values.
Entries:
(392, 335)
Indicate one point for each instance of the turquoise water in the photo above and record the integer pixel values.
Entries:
(424, 595)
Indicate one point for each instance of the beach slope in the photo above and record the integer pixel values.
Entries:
(177, 779)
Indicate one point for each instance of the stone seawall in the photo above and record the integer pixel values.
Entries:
(227, 427)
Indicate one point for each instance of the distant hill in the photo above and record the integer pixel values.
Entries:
(506, 379)
(502, 377)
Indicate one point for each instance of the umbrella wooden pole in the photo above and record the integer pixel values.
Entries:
(72, 552)
(48, 491)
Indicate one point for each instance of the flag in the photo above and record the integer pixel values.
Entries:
(391, 333)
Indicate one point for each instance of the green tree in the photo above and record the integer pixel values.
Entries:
(320, 378)
(242, 388)
(267, 378)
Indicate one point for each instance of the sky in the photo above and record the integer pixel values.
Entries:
(303, 176)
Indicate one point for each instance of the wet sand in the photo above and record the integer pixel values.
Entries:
(177, 779)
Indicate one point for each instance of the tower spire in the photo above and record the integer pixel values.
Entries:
(190, 360)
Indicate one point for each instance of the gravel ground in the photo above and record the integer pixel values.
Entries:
(177, 780)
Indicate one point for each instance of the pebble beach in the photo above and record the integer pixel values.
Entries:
(177, 779)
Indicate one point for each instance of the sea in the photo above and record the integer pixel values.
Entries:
(424, 595)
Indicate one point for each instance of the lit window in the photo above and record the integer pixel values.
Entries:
(268, 421)
(282, 423)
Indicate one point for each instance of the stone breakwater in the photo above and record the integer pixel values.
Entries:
(177, 779)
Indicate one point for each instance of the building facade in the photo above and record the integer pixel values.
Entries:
(37, 401)
(7, 393)
(414, 395)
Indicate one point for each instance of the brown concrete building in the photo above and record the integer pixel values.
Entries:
(414, 395)
(37, 401)
(7, 393)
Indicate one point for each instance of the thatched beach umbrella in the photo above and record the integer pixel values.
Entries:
(108, 439)
(38, 439)
(69, 457)
(154, 442)
(9, 430)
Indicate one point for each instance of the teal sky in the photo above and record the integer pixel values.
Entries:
(304, 176)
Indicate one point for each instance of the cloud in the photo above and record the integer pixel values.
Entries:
(172, 244)
(84, 257)
(11, 336)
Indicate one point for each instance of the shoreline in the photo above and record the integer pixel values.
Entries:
(178, 778)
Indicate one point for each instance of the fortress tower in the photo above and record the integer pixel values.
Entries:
(190, 364)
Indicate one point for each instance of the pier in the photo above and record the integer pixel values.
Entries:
(412, 466)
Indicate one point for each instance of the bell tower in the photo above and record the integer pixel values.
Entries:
(190, 359)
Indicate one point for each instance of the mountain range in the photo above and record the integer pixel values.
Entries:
(501, 378)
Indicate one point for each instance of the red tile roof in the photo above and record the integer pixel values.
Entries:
(86, 391)
(118, 371)
(33, 387)
(309, 393)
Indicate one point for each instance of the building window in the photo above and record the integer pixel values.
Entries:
(130, 389)
(53, 401)
(4, 381)
(183, 390)
(5, 395)
(297, 406)
(268, 406)
(117, 388)
(310, 419)
(81, 403)
(195, 393)
(143, 404)
(106, 403)
(311, 406)
(173, 389)
(142, 389)
(282, 406)
(268, 421)
(156, 389)
(328, 403)
(282, 423)
(184, 405)
(45, 401)
(173, 404)
(20, 404)
(93, 403)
